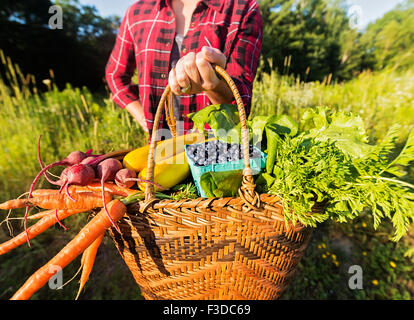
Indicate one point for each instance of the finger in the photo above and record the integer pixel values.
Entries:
(144, 127)
(172, 81)
(190, 68)
(180, 74)
(214, 56)
(143, 124)
(208, 76)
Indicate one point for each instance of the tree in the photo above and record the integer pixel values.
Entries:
(389, 41)
(315, 35)
(26, 11)
(77, 54)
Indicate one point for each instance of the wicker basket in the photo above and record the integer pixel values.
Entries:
(210, 248)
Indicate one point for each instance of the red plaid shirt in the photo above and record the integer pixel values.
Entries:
(145, 40)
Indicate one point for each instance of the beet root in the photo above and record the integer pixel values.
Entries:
(80, 174)
(108, 169)
(123, 176)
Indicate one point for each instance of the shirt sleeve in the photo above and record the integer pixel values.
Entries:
(244, 58)
(121, 66)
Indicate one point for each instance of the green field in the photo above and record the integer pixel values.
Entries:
(75, 119)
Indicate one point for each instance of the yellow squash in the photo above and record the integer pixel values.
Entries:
(168, 172)
(137, 159)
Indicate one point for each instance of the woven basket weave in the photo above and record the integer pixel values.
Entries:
(215, 248)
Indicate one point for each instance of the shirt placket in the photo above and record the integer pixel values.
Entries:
(168, 43)
(189, 37)
(164, 47)
(188, 45)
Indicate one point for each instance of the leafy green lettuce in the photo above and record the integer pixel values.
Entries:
(223, 120)
(347, 131)
(221, 184)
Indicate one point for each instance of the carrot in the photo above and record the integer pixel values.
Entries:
(72, 189)
(13, 204)
(40, 215)
(88, 259)
(43, 192)
(36, 229)
(113, 188)
(84, 200)
(56, 211)
(92, 187)
(80, 243)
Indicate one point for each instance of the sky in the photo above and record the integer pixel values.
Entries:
(371, 10)
(366, 10)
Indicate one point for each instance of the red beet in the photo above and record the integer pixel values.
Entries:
(124, 178)
(80, 174)
(88, 160)
(108, 168)
(72, 159)
(106, 171)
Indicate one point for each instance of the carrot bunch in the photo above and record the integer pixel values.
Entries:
(85, 238)
(61, 207)
(80, 190)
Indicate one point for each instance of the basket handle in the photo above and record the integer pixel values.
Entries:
(247, 189)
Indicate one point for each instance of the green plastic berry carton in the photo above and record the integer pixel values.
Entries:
(256, 164)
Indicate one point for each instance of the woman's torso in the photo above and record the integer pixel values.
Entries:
(152, 27)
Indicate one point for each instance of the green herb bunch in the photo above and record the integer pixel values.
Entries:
(332, 164)
(305, 173)
(184, 191)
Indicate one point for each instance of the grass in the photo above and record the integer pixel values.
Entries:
(75, 119)
(381, 99)
(324, 271)
(71, 119)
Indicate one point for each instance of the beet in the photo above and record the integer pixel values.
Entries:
(80, 174)
(125, 178)
(106, 171)
(73, 158)
(88, 160)
(108, 168)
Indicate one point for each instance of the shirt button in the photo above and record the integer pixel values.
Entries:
(163, 76)
(192, 24)
(168, 43)
(184, 50)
